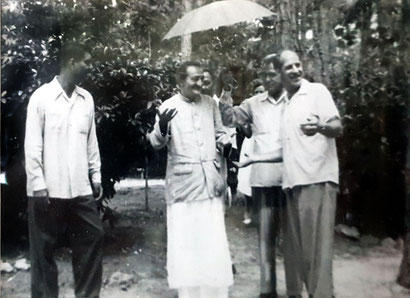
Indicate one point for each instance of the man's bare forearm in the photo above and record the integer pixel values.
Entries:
(273, 156)
(331, 129)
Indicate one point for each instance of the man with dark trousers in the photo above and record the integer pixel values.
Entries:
(63, 178)
(311, 122)
(263, 112)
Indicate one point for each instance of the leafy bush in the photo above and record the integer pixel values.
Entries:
(133, 70)
(125, 83)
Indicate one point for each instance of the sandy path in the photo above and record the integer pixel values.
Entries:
(137, 246)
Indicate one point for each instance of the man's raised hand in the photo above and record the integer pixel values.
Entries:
(227, 81)
(164, 118)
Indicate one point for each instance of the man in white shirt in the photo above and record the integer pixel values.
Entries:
(263, 112)
(63, 178)
(189, 124)
(311, 123)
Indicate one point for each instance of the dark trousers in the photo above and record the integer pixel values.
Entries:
(46, 222)
(268, 201)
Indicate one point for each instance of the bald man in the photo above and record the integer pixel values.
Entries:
(311, 122)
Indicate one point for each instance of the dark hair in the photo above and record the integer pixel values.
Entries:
(72, 50)
(208, 71)
(256, 83)
(272, 59)
(182, 69)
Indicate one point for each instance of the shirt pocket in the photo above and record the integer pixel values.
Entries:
(262, 123)
(82, 123)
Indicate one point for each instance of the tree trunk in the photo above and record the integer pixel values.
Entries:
(286, 31)
(186, 40)
(324, 43)
(404, 274)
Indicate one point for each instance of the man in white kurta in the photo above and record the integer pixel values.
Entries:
(189, 124)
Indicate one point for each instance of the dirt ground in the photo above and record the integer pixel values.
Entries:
(137, 246)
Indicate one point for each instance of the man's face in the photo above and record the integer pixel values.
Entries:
(192, 85)
(207, 86)
(291, 71)
(271, 79)
(258, 90)
(79, 69)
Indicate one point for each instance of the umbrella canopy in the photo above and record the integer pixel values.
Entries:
(216, 14)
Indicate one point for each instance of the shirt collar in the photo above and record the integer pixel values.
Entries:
(304, 86)
(58, 91)
(265, 96)
(303, 89)
(189, 100)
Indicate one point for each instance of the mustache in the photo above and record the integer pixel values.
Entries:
(296, 75)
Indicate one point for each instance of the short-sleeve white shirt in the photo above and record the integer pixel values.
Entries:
(309, 159)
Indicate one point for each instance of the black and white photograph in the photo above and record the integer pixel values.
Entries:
(205, 149)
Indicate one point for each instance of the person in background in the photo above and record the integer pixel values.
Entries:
(263, 112)
(208, 87)
(189, 124)
(228, 171)
(64, 178)
(244, 174)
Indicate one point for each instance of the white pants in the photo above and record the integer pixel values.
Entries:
(203, 292)
(198, 252)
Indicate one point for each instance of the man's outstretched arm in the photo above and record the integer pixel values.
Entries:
(273, 156)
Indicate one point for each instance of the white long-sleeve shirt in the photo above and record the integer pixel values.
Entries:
(61, 146)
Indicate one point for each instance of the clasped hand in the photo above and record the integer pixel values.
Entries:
(311, 126)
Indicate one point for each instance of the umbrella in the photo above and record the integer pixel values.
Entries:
(216, 14)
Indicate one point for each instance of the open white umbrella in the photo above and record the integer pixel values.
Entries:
(216, 14)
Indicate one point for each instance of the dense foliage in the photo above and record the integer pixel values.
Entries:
(354, 47)
(125, 82)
